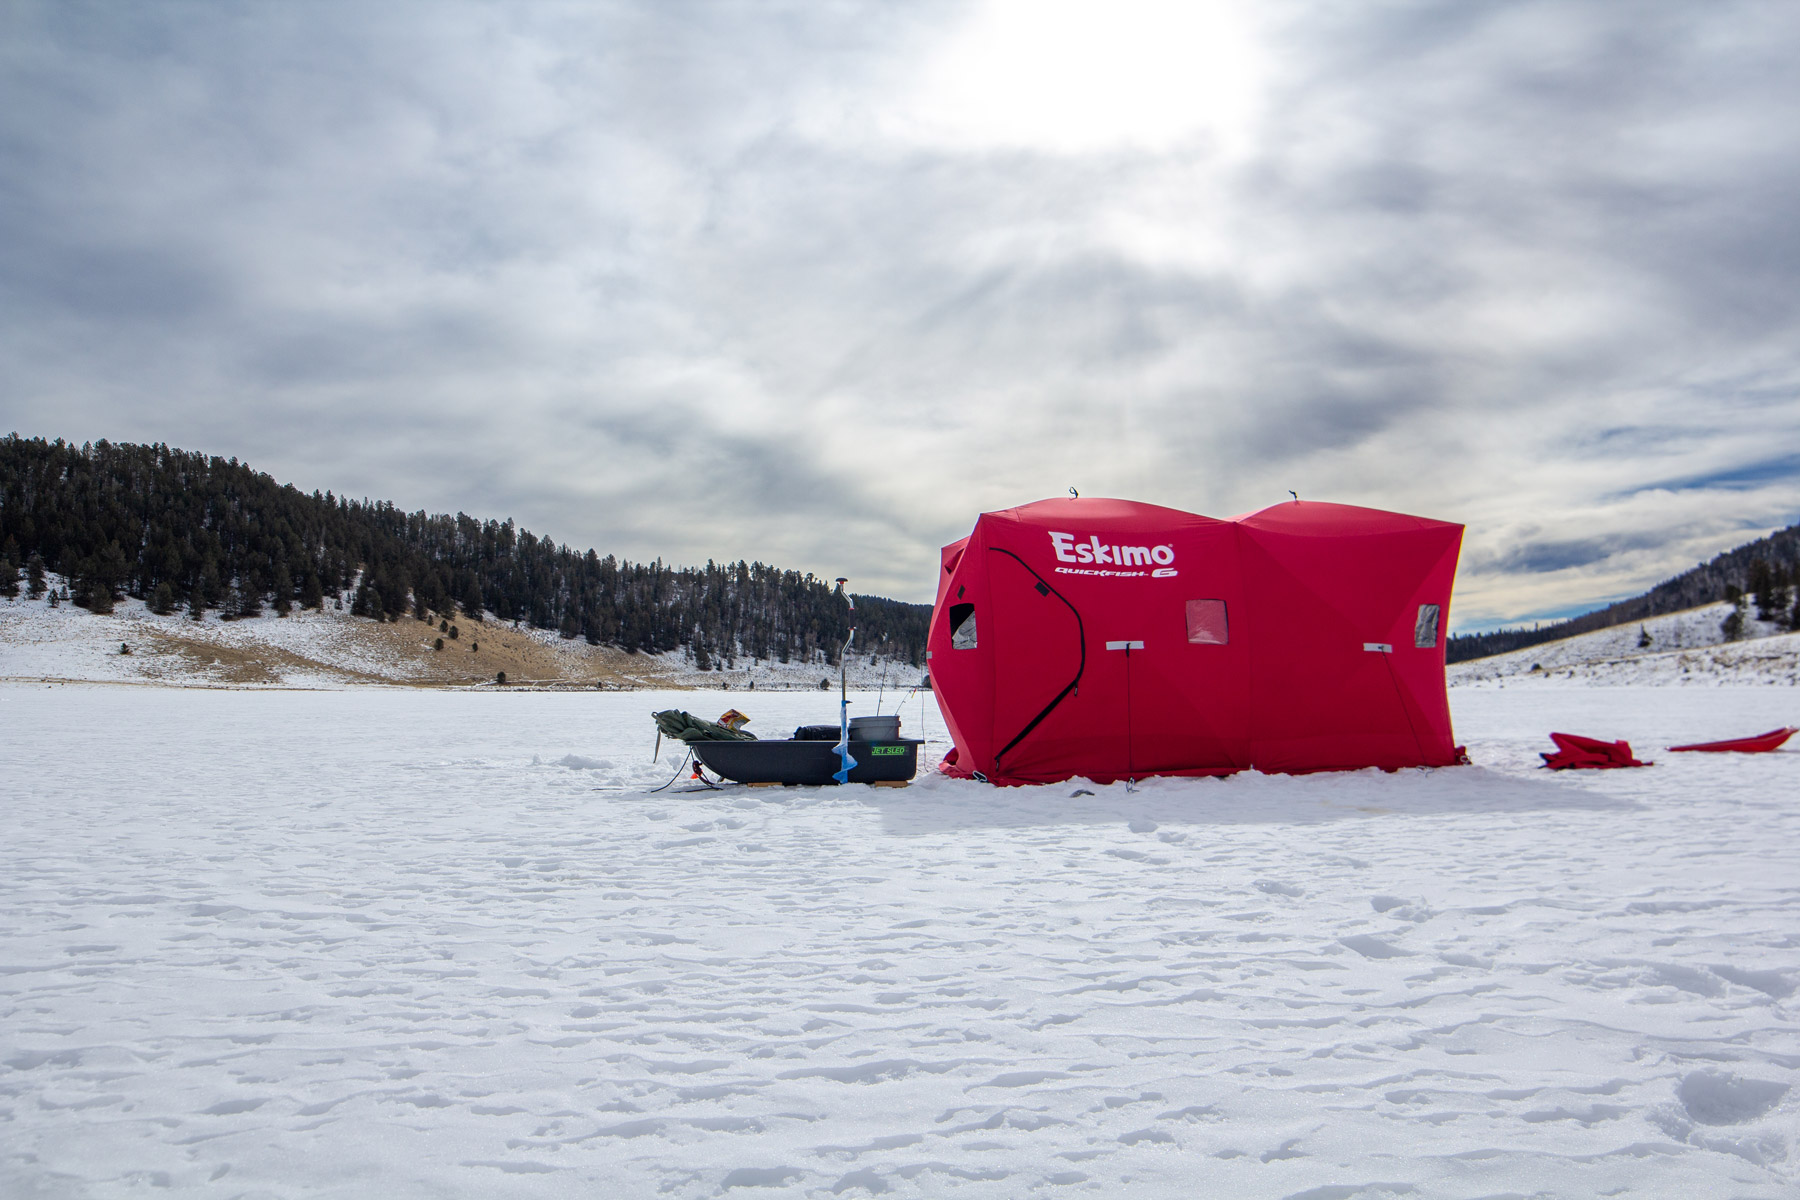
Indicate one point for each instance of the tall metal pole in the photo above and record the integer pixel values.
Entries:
(846, 764)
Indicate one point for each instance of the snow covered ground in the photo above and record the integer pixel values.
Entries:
(1685, 647)
(430, 943)
(332, 648)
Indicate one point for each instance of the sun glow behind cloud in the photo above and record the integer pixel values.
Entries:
(817, 283)
(1074, 76)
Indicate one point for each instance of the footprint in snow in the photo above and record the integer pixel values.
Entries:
(1370, 946)
(1400, 909)
(1139, 856)
(767, 1177)
(866, 1179)
(1775, 984)
(1716, 1098)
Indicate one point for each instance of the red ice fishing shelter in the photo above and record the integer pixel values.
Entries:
(1112, 639)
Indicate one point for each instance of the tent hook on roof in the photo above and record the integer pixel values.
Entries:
(1075, 493)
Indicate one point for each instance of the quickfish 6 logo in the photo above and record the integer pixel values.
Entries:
(1109, 559)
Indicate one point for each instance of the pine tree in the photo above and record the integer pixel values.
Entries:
(284, 589)
(1733, 625)
(94, 596)
(229, 602)
(367, 602)
(162, 600)
(250, 598)
(99, 579)
(1643, 637)
(1769, 585)
(34, 575)
(1779, 599)
(398, 598)
(9, 579)
(312, 593)
(212, 585)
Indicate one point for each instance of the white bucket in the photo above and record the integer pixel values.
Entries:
(875, 729)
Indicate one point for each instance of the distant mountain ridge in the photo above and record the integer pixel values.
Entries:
(182, 530)
(1734, 572)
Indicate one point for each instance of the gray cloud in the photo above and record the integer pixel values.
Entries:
(675, 280)
(1539, 557)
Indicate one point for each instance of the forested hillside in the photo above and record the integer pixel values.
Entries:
(1762, 573)
(183, 530)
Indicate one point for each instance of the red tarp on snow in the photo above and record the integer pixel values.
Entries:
(1112, 639)
(1574, 752)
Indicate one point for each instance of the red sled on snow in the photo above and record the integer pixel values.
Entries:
(1574, 752)
(1762, 743)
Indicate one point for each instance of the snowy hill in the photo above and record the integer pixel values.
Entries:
(313, 649)
(1685, 647)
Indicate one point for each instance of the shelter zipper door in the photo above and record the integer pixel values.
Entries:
(1039, 658)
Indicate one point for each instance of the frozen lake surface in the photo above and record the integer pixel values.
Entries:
(434, 944)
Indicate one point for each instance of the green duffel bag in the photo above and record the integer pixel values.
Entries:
(686, 727)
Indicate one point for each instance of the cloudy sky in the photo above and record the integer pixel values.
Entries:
(816, 282)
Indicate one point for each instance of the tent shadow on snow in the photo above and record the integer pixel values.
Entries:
(937, 804)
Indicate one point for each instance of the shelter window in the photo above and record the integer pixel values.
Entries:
(962, 627)
(1425, 629)
(1206, 624)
